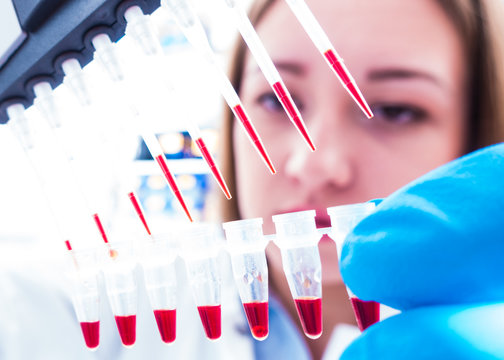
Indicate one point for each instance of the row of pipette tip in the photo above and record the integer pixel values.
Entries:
(141, 30)
(200, 247)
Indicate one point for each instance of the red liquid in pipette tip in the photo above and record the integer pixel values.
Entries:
(293, 112)
(352, 88)
(167, 324)
(240, 114)
(67, 243)
(91, 332)
(161, 160)
(215, 170)
(127, 329)
(366, 312)
(310, 314)
(211, 320)
(100, 228)
(257, 316)
(139, 211)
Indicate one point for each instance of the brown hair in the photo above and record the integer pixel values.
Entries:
(481, 25)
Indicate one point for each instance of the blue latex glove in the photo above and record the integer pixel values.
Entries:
(436, 243)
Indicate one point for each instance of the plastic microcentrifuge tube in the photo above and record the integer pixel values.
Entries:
(246, 244)
(200, 251)
(158, 262)
(85, 293)
(343, 219)
(121, 285)
(323, 44)
(193, 31)
(268, 68)
(297, 238)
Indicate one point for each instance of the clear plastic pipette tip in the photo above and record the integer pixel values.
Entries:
(253, 136)
(45, 101)
(140, 29)
(323, 44)
(347, 80)
(193, 30)
(19, 125)
(139, 211)
(106, 55)
(268, 68)
(75, 81)
(213, 167)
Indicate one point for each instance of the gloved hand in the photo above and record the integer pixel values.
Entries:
(435, 250)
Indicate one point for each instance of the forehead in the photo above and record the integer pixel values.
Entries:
(367, 33)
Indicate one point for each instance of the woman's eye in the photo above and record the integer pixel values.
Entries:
(270, 102)
(398, 113)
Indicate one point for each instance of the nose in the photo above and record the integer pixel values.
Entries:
(331, 165)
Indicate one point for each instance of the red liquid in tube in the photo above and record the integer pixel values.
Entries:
(139, 211)
(91, 332)
(211, 320)
(293, 112)
(341, 71)
(310, 314)
(215, 170)
(127, 329)
(257, 316)
(171, 182)
(366, 312)
(240, 114)
(167, 324)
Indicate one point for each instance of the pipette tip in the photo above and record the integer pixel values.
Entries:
(100, 228)
(345, 77)
(161, 160)
(67, 243)
(292, 111)
(138, 209)
(213, 167)
(252, 133)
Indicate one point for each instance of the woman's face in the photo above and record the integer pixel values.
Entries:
(408, 61)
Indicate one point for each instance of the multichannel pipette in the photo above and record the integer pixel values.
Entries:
(193, 31)
(139, 28)
(268, 68)
(323, 44)
(106, 53)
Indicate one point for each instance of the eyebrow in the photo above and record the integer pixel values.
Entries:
(401, 74)
(287, 66)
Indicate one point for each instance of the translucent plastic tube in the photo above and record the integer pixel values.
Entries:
(200, 250)
(246, 245)
(297, 238)
(343, 219)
